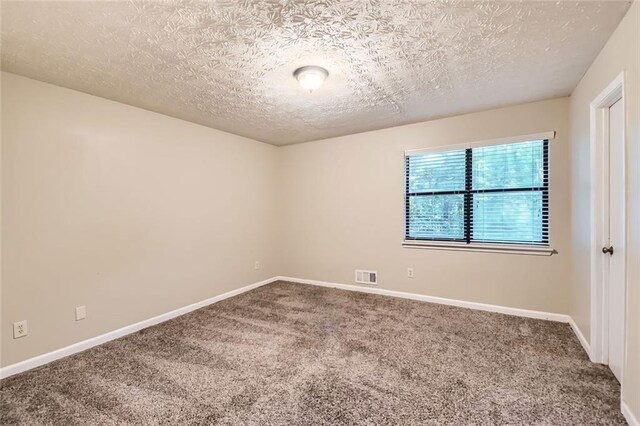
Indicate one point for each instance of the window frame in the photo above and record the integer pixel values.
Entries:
(467, 243)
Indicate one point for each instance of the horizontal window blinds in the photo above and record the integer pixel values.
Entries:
(492, 194)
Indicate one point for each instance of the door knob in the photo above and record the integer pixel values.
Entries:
(606, 250)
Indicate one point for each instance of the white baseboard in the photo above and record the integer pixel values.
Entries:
(581, 338)
(628, 415)
(440, 300)
(39, 360)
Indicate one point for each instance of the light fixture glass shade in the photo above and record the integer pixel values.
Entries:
(311, 77)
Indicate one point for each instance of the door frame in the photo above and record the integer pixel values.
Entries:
(599, 118)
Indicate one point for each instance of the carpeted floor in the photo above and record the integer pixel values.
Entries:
(295, 354)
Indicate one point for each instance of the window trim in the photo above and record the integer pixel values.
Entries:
(541, 249)
(530, 249)
(482, 143)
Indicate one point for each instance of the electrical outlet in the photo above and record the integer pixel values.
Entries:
(20, 329)
(81, 313)
(256, 265)
(410, 272)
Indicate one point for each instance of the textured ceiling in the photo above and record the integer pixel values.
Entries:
(229, 64)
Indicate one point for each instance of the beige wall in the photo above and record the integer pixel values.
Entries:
(343, 206)
(620, 53)
(133, 214)
(128, 212)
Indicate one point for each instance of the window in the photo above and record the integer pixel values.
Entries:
(496, 194)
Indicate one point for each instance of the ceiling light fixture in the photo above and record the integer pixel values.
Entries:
(311, 77)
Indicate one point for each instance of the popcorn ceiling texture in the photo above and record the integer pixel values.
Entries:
(291, 354)
(229, 64)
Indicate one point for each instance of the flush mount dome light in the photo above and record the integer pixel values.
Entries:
(311, 77)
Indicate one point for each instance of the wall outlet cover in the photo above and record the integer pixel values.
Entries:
(81, 313)
(20, 329)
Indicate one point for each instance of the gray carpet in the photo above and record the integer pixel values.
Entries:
(295, 354)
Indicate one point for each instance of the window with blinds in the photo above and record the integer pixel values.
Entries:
(492, 194)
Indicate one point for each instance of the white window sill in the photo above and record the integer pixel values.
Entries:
(487, 248)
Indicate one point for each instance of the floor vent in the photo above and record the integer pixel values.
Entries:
(366, 277)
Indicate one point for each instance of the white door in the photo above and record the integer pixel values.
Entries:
(616, 239)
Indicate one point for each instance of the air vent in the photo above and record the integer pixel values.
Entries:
(366, 277)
